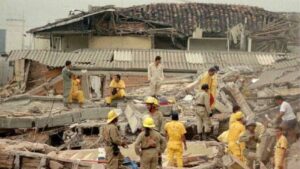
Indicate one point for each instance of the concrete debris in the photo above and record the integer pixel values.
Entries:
(29, 118)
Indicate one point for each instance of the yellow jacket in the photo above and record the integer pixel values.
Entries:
(280, 150)
(234, 147)
(119, 85)
(211, 81)
(233, 117)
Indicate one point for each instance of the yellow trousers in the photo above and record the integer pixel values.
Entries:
(120, 94)
(78, 95)
(175, 154)
(236, 150)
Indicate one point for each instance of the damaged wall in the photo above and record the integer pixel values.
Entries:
(207, 44)
(74, 42)
(121, 42)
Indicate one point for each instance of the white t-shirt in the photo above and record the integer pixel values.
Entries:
(287, 109)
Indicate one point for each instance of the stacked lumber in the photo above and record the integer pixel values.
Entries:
(212, 18)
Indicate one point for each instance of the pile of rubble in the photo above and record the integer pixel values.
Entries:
(55, 131)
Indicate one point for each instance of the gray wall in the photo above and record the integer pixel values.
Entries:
(207, 44)
(2, 40)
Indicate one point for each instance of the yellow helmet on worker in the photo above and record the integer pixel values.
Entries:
(239, 115)
(151, 100)
(148, 122)
(112, 115)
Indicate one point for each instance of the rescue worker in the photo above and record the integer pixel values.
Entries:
(236, 111)
(286, 115)
(203, 112)
(235, 130)
(117, 87)
(175, 132)
(112, 139)
(155, 76)
(250, 138)
(154, 113)
(210, 78)
(76, 93)
(149, 145)
(280, 149)
(67, 83)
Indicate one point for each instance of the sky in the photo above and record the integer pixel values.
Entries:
(40, 12)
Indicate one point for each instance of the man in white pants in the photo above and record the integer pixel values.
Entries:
(155, 76)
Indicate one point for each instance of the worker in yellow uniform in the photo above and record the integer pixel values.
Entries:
(236, 148)
(154, 113)
(236, 112)
(210, 78)
(76, 93)
(175, 132)
(112, 140)
(280, 149)
(149, 145)
(117, 87)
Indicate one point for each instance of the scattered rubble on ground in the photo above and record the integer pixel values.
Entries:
(42, 133)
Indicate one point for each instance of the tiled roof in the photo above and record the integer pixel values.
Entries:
(138, 59)
(185, 17)
(211, 17)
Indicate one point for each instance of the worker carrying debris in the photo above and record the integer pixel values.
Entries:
(149, 145)
(112, 139)
(117, 89)
(210, 78)
(67, 83)
(76, 93)
(235, 130)
(175, 132)
(152, 105)
(250, 138)
(155, 76)
(203, 112)
(280, 149)
(286, 114)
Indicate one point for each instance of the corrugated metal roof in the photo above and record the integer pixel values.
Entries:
(126, 59)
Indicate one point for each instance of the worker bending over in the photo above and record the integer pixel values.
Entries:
(280, 149)
(149, 145)
(287, 117)
(250, 138)
(236, 148)
(117, 89)
(203, 112)
(112, 139)
(155, 76)
(76, 93)
(175, 132)
(210, 78)
(67, 83)
(154, 113)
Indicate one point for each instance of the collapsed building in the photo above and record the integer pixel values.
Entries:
(40, 132)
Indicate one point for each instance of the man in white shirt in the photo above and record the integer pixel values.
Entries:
(155, 76)
(286, 114)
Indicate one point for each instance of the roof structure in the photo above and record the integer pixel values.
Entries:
(138, 59)
(184, 17)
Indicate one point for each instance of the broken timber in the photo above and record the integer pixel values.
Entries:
(239, 98)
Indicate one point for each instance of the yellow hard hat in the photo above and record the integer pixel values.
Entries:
(152, 100)
(239, 115)
(111, 116)
(148, 122)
